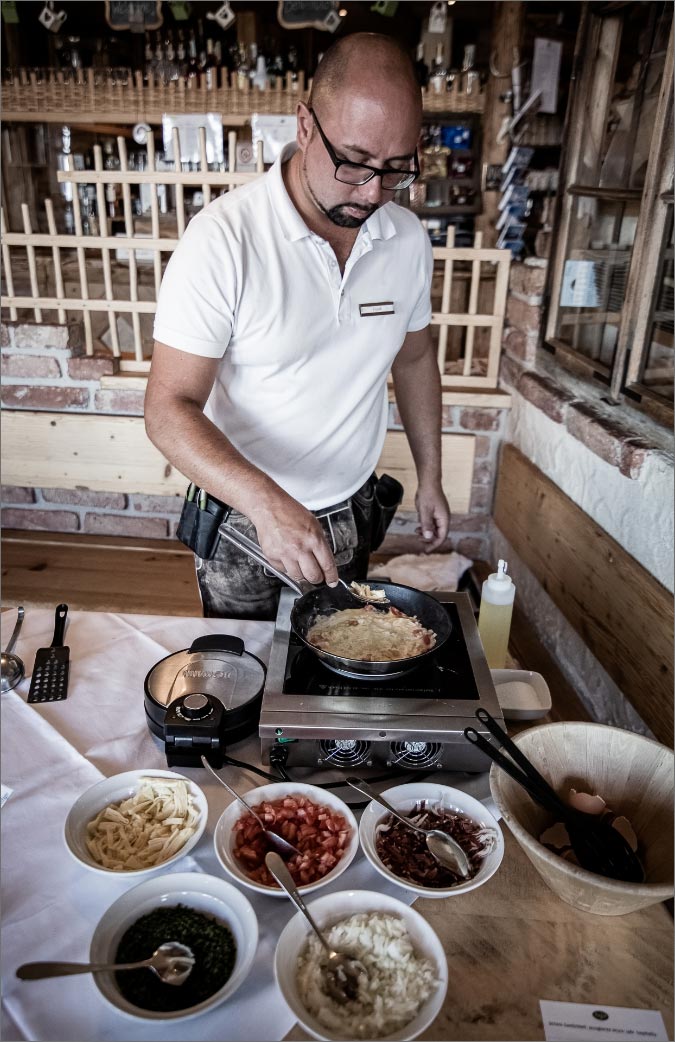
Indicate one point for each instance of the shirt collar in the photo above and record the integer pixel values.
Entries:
(378, 226)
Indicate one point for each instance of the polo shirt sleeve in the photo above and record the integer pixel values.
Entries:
(196, 304)
(421, 315)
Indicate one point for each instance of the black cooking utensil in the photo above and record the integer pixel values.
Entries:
(49, 682)
(598, 846)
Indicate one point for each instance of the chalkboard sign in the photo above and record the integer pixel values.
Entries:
(134, 14)
(302, 14)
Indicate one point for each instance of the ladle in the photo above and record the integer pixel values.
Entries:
(341, 972)
(441, 846)
(172, 963)
(12, 669)
(278, 843)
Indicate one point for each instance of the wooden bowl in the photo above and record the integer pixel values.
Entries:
(633, 774)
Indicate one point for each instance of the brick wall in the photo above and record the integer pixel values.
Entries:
(44, 367)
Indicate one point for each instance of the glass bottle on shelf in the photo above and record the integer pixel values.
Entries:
(181, 55)
(111, 161)
(439, 72)
(148, 60)
(209, 66)
(242, 67)
(293, 67)
(421, 67)
(192, 74)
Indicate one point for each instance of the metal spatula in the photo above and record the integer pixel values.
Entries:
(49, 682)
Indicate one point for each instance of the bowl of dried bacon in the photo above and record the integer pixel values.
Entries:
(315, 821)
(401, 855)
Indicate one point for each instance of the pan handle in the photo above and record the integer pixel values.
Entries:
(255, 552)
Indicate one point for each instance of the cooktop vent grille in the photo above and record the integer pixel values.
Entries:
(346, 752)
(416, 756)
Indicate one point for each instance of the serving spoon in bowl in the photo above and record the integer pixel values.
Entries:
(440, 845)
(171, 962)
(341, 972)
(276, 842)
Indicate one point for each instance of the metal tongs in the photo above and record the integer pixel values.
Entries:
(301, 587)
(598, 846)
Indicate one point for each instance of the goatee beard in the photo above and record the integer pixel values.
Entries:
(338, 215)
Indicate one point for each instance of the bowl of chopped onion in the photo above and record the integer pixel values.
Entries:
(136, 822)
(315, 821)
(406, 978)
(400, 854)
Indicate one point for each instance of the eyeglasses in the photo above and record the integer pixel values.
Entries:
(360, 173)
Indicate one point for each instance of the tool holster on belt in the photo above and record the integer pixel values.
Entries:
(199, 522)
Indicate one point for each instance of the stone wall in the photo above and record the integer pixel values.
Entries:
(44, 368)
(615, 465)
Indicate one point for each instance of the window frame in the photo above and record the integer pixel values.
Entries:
(596, 54)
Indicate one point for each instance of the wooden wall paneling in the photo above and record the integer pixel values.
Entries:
(622, 613)
(458, 451)
(113, 454)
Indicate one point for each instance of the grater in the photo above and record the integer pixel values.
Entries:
(49, 682)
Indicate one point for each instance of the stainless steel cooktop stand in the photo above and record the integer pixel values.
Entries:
(376, 731)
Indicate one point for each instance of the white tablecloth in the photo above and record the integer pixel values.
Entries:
(50, 754)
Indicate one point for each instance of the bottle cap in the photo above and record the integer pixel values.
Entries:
(499, 578)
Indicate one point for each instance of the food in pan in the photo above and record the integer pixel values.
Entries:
(319, 833)
(399, 979)
(145, 829)
(371, 635)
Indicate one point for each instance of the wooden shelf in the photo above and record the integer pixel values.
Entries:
(445, 211)
(619, 195)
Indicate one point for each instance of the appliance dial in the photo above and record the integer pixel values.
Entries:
(196, 707)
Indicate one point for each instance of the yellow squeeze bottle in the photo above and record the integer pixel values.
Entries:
(494, 619)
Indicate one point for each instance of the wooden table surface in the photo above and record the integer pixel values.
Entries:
(512, 942)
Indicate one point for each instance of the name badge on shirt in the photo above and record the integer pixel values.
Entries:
(380, 307)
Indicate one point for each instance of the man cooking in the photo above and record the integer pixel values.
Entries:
(280, 315)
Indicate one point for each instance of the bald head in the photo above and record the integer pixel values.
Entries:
(367, 63)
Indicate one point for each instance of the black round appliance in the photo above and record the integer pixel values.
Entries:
(204, 698)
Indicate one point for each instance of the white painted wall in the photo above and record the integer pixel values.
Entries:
(637, 512)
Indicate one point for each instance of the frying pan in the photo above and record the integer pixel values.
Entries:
(322, 600)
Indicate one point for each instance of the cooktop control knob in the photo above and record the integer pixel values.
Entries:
(196, 707)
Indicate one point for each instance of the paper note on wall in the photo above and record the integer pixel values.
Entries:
(579, 285)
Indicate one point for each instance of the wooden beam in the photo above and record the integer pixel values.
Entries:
(113, 454)
(84, 451)
(623, 614)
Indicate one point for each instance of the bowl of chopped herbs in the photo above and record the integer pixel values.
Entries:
(203, 912)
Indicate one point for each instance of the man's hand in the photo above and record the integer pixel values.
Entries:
(293, 541)
(434, 515)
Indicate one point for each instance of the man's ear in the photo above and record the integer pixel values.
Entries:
(305, 125)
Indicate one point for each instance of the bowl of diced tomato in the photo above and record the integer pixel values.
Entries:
(315, 821)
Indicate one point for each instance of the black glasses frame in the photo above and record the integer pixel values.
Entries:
(406, 177)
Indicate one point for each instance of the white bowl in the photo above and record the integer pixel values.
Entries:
(113, 790)
(208, 894)
(328, 910)
(404, 798)
(223, 837)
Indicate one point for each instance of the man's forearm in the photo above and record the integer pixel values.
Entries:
(195, 446)
(418, 398)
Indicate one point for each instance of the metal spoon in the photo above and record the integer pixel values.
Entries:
(278, 843)
(172, 963)
(12, 669)
(375, 601)
(443, 847)
(341, 972)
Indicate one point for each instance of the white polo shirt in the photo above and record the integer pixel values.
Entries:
(305, 350)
